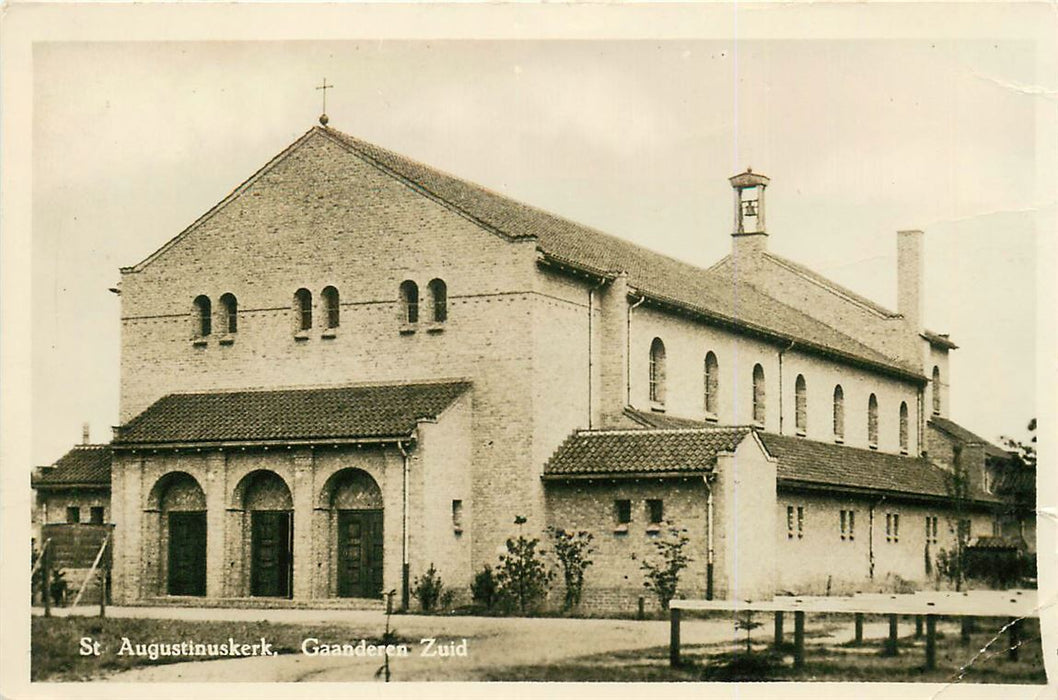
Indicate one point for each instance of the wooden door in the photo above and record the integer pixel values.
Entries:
(271, 553)
(360, 553)
(187, 553)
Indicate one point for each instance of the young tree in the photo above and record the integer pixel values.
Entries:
(572, 550)
(522, 577)
(662, 572)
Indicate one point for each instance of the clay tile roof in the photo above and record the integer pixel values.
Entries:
(965, 436)
(642, 452)
(662, 277)
(366, 411)
(81, 466)
(810, 462)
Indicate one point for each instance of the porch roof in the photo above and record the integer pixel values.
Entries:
(289, 415)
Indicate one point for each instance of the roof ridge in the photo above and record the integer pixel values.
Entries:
(321, 387)
(591, 432)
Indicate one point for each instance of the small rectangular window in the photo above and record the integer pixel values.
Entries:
(96, 515)
(931, 529)
(892, 527)
(848, 525)
(795, 528)
(964, 529)
(655, 508)
(73, 514)
(457, 515)
(623, 511)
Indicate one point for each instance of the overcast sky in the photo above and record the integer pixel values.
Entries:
(133, 141)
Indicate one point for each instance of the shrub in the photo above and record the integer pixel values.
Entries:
(428, 588)
(522, 577)
(483, 588)
(572, 550)
(663, 571)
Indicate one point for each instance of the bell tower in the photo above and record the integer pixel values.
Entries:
(749, 203)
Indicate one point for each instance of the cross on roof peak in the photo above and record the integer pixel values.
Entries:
(323, 115)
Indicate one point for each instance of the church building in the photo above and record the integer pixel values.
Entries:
(356, 366)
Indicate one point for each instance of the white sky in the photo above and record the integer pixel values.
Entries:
(133, 141)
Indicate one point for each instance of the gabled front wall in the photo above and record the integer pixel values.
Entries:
(324, 217)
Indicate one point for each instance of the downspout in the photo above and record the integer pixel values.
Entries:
(709, 538)
(920, 438)
(870, 536)
(781, 353)
(405, 590)
(628, 351)
(591, 315)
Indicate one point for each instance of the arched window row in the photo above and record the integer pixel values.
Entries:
(202, 316)
(331, 312)
(436, 303)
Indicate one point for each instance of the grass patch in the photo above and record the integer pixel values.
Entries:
(55, 641)
(830, 663)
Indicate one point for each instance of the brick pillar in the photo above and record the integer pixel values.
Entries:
(216, 535)
(304, 500)
(611, 351)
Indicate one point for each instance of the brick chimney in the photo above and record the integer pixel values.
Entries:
(909, 271)
(750, 237)
(85, 435)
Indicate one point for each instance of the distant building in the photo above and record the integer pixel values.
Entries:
(356, 366)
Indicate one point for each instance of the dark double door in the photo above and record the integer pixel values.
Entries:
(187, 553)
(360, 553)
(271, 544)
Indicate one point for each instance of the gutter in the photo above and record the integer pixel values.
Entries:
(405, 570)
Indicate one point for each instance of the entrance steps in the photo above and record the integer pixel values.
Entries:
(260, 603)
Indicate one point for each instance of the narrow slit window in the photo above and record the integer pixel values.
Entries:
(657, 371)
(872, 421)
(409, 297)
(759, 395)
(230, 306)
(303, 308)
(439, 300)
(904, 437)
(801, 405)
(839, 413)
(712, 383)
(331, 306)
(203, 316)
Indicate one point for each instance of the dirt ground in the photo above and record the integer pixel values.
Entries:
(491, 643)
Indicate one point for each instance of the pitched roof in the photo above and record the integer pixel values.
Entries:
(812, 462)
(641, 452)
(808, 462)
(940, 340)
(84, 465)
(322, 414)
(965, 436)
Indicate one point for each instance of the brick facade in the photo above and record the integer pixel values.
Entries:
(547, 350)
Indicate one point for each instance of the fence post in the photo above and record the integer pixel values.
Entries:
(46, 580)
(799, 639)
(778, 629)
(931, 642)
(1014, 630)
(918, 627)
(967, 628)
(642, 613)
(674, 637)
(103, 571)
(891, 648)
(859, 628)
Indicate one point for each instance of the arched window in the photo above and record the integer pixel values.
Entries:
(903, 427)
(872, 421)
(712, 383)
(203, 316)
(758, 395)
(839, 413)
(438, 300)
(800, 405)
(330, 306)
(303, 307)
(230, 307)
(936, 391)
(657, 371)
(409, 297)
